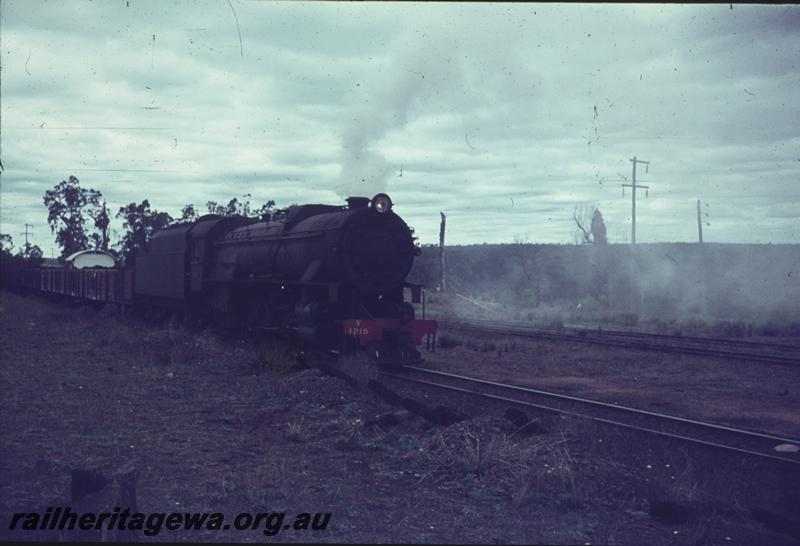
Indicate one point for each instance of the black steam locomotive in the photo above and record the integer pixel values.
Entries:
(333, 274)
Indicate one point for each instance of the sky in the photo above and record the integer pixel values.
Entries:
(503, 116)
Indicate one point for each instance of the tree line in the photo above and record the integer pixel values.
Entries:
(79, 218)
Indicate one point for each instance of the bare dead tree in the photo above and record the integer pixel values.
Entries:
(581, 214)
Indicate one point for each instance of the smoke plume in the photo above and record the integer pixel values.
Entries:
(456, 71)
(423, 71)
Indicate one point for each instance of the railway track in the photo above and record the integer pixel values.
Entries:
(746, 442)
(774, 353)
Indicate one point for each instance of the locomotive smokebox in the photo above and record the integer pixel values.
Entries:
(354, 203)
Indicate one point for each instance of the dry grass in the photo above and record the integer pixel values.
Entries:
(522, 469)
(281, 356)
(591, 314)
(448, 341)
(173, 345)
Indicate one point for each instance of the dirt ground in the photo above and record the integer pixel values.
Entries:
(752, 395)
(229, 426)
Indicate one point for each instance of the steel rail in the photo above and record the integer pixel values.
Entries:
(628, 333)
(514, 393)
(697, 346)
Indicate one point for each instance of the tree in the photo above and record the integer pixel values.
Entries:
(31, 254)
(101, 222)
(266, 210)
(235, 207)
(598, 228)
(6, 244)
(8, 262)
(188, 214)
(140, 222)
(591, 228)
(519, 239)
(67, 203)
(27, 256)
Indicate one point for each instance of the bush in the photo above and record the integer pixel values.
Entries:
(732, 329)
(448, 342)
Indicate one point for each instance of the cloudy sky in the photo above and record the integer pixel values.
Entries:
(504, 116)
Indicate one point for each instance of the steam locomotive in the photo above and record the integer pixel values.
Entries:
(335, 275)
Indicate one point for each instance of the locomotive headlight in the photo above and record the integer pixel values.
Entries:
(382, 203)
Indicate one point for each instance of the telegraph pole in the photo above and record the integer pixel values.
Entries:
(442, 277)
(633, 186)
(25, 233)
(699, 223)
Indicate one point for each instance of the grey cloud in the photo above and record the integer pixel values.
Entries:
(506, 109)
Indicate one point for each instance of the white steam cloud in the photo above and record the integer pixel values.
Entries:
(422, 71)
(430, 74)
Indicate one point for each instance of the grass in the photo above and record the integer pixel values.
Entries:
(447, 341)
(172, 344)
(281, 356)
(496, 461)
(590, 313)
